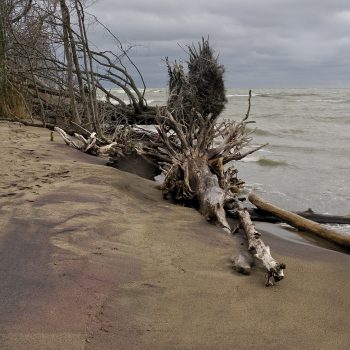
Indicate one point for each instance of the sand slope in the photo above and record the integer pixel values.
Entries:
(93, 258)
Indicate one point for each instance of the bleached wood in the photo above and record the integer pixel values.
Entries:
(89, 145)
(262, 251)
(66, 138)
(113, 148)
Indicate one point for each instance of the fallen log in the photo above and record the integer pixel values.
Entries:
(256, 244)
(324, 218)
(301, 223)
(257, 214)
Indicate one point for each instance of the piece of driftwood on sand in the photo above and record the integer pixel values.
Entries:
(257, 214)
(243, 262)
(301, 223)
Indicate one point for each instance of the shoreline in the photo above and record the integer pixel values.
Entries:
(94, 258)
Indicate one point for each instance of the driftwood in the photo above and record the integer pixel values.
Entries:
(90, 144)
(324, 218)
(261, 215)
(301, 223)
(255, 244)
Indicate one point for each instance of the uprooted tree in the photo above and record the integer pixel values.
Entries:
(197, 151)
(193, 148)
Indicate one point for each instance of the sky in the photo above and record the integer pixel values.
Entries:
(261, 43)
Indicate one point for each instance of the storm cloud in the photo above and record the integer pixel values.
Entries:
(262, 43)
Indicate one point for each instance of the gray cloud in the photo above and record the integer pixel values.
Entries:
(262, 43)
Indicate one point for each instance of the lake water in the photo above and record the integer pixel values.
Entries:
(307, 162)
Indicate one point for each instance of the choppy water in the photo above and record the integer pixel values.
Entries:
(307, 162)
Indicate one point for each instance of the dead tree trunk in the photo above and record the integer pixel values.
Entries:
(66, 42)
(204, 186)
(262, 251)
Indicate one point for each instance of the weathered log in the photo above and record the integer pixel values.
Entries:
(67, 139)
(301, 223)
(256, 244)
(324, 218)
(261, 215)
(205, 186)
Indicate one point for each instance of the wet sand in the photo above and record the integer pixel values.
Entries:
(93, 258)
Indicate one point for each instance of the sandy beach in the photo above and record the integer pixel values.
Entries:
(93, 258)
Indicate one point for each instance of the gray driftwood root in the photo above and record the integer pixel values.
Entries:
(258, 247)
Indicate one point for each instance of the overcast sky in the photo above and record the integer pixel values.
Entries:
(262, 43)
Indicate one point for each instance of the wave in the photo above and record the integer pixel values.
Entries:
(242, 95)
(332, 100)
(292, 131)
(263, 189)
(282, 95)
(261, 132)
(339, 227)
(271, 162)
(156, 102)
(267, 162)
(250, 159)
(112, 101)
(295, 148)
(117, 91)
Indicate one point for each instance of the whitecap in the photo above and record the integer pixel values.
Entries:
(240, 95)
(340, 227)
(332, 101)
(268, 162)
(117, 91)
(250, 159)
